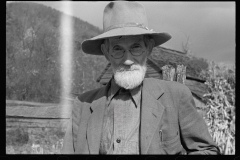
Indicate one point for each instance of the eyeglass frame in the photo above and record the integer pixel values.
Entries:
(129, 51)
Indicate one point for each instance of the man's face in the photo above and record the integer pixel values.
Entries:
(129, 70)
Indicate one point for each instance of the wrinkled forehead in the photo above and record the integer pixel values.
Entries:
(125, 39)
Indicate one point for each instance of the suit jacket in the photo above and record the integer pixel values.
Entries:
(170, 123)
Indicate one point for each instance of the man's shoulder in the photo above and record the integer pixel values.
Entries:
(167, 85)
(163, 82)
(91, 95)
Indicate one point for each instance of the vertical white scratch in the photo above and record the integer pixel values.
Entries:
(66, 45)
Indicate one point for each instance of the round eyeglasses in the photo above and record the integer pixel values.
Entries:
(118, 52)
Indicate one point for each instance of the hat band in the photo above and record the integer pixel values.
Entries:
(130, 24)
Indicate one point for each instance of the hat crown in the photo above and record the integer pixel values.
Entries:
(120, 13)
(123, 18)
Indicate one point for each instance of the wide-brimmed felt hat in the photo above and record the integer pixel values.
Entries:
(123, 18)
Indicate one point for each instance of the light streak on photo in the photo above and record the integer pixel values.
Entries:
(66, 45)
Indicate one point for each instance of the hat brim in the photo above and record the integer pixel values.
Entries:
(93, 45)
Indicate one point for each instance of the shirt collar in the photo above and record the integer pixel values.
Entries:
(135, 93)
(114, 88)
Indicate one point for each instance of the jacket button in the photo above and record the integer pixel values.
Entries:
(118, 140)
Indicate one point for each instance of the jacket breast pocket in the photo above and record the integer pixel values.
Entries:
(169, 140)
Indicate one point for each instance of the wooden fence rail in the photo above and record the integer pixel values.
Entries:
(36, 115)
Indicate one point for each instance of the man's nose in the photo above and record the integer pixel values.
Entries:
(128, 58)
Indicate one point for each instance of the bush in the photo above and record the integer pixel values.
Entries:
(59, 132)
(18, 136)
(220, 107)
(41, 141)
(196, 65)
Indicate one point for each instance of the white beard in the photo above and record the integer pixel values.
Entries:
(129, 78)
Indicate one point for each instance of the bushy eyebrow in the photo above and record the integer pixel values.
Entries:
(136, 43)
(117, 45)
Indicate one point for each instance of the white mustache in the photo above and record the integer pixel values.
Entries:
(124, 68)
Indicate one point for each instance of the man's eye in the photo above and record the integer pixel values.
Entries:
(136, 46)
(117, 49)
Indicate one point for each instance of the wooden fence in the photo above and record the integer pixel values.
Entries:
(36, 115)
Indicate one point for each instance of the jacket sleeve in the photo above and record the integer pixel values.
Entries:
(68, 140)
(195, 136)
(71, 132)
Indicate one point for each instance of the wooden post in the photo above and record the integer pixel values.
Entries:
(181, 74)
(168, 72)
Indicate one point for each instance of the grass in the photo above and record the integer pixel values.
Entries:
(34, 141)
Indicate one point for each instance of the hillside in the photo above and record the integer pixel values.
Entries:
(33, 66)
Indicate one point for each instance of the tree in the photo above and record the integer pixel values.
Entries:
(186, 46)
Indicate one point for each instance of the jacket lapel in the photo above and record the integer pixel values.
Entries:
(151, 113)
(94, 128)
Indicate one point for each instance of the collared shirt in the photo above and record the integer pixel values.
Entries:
(120, 134)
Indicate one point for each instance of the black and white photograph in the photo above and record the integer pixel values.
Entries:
(120, 77)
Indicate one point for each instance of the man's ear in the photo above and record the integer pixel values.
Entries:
(104, 51)
(151, 44)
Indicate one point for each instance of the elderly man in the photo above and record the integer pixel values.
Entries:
(133, 114)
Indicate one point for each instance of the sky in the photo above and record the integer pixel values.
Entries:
(210, 27)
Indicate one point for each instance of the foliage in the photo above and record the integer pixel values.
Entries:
(41, 141)
(196, 65)
(17, 136)
(220, 107)
(33, 66)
